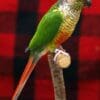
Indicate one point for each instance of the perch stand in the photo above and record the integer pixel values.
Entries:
(57, 73)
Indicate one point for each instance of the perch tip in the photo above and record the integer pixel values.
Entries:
(63, 60)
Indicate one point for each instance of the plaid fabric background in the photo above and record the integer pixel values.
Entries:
(18, 21)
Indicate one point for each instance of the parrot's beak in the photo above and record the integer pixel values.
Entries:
(88, 3)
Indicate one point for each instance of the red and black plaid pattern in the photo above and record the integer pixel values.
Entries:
(18, 21)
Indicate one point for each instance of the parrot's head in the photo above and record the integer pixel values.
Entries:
(76, 5)
(85, 2)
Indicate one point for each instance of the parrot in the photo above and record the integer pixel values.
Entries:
(55, 27)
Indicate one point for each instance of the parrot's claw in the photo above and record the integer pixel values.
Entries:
(57, 52)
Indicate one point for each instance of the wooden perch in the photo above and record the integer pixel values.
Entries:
(57, 74)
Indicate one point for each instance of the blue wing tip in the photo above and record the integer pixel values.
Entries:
(26, 50)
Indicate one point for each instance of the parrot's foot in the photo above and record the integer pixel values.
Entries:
(62, 58)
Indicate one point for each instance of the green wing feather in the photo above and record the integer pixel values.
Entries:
(46, 30)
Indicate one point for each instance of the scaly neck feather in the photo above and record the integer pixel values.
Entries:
(75, 6)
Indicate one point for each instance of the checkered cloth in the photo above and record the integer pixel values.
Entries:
(18, 21)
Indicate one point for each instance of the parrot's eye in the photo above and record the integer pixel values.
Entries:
(87, 3)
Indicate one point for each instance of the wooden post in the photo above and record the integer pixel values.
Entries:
(57, 78)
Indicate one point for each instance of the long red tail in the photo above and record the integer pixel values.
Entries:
(28, 70)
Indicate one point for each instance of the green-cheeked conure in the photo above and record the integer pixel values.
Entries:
(56, 26)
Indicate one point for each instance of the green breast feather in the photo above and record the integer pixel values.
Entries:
(46, 30)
